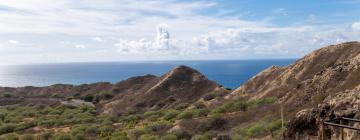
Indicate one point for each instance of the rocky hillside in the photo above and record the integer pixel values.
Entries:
(341, 91)
(139, 94)
(180, 85)
(309, 80)
(331, 74)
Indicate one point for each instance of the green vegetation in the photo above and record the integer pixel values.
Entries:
(241, 105)
(62, 122)
(7, 95)
(262, 128)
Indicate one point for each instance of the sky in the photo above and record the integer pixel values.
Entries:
(57, 31)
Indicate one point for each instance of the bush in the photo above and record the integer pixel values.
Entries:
(10, 136)
(130, 121)
(231, 106)
(92, 129)
(171, 114)
(89, 98)
(103, 95)
(148, 137)
(62, 137)
(205, 136)
(27, 137)
(45, 136)
(215, 122)
(7, 95)
(106, 131)
(181, 106)
(157, 126)
(262, 128)
(169, 137)
(185, 115)
(119, 136)
(7, 128)
(240, 105)
(23, 126)
(181, 134)
(260, 102)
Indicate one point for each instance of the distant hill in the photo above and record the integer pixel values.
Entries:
(143, 93)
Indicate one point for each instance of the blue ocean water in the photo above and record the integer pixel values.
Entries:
(230, 73)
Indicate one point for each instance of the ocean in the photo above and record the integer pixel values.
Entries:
(230, 73)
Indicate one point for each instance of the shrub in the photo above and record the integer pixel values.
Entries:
(260, 102)
(10, 136)
(157, 126)
(171, 114)
(7, 95)
(106, 131)
(185, 115)
(104, 95)
(130, 121)
(148, 137)
(62, 137)
(27, 137)
(262, 128)
(181, 106)
(215, 122)
(89, 98)
(255, 130)
(92, 129)
(119, 136)
(7, 128)
(23, 126)
(169, 137)
(231, 106)
(45, 136)
(205, 136)
(181, 134)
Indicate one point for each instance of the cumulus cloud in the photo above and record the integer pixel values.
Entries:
(162, 44)
(252, 42)
(163, 37)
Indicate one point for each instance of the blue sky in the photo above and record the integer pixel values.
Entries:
(37, 31)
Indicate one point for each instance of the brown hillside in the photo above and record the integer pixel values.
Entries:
(309, 80)
(180, 85)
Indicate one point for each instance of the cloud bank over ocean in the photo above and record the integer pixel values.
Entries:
(39, 31)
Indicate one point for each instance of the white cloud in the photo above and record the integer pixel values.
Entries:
(14, 42)
(132, 30)
(356, 26)
(98, 39)
(80, 46)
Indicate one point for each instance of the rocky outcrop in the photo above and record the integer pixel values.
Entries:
(307, 122)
